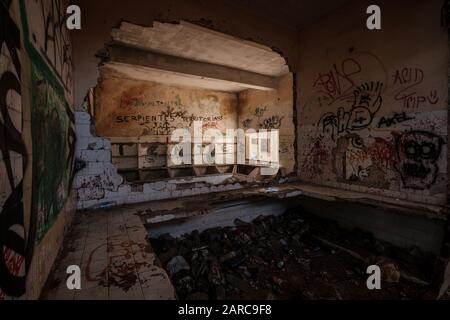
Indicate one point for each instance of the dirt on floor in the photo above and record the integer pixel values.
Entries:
(292, 256)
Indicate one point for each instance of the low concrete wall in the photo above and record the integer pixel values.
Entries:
(246, 211)
(402, 230)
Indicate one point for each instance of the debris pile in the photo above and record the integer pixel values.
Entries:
(283, 257)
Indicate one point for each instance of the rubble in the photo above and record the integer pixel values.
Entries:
(292, 256)
(176, 265)
(390, 273)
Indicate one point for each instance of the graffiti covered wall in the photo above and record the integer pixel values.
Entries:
(272, 110)
(52, 119)
(36, 142)
(13, 154)
(129, 108)
(373, 119)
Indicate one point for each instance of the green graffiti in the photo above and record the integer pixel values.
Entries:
(53, 140)
(51, 172)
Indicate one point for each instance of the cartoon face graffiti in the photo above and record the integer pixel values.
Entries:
(418, 152)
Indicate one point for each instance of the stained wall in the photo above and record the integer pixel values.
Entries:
(373, 104)
(130, 108)
(272, 110)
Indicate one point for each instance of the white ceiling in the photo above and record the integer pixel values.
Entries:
(192, 42)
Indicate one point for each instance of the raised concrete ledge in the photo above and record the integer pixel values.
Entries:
(401, 206)
(295, 190)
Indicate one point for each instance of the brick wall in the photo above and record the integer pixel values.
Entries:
(99, 183)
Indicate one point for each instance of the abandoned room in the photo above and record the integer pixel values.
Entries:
(224, 150)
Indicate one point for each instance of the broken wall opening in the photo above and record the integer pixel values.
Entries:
(156, 80)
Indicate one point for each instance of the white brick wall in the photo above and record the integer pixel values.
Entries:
(99, 182)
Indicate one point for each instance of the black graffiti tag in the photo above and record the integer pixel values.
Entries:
(12, 240)
(56, 48)
(397, 118)
(367, 102)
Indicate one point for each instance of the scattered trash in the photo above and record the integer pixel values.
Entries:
(176, 265)
(290, 256)
(228, 256)
(277, 281)
(236, 262)
(272, 190)
(104, 206)
(390, 273)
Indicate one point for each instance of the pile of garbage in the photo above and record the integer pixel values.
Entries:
(275, 257)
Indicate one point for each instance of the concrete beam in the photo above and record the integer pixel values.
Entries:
(138, 57)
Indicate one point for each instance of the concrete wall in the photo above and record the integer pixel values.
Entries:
(127, 108)
(402, 230)
(37, 143)
(272, 110)
(373, 104)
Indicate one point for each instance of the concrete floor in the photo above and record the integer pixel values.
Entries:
(116, 261)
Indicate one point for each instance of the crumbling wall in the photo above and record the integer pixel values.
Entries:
(139, 118)
(272, 110)
(98, 184)
(373, 104)
(37, 142)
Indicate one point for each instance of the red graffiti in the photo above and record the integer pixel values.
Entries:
(338, 83)
(126, 102)
(13, 261)
(210, 125)
(382, 152)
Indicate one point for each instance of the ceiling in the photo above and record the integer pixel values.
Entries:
(193, 42)
(295, 14)
(130, 72)
(189, 42)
